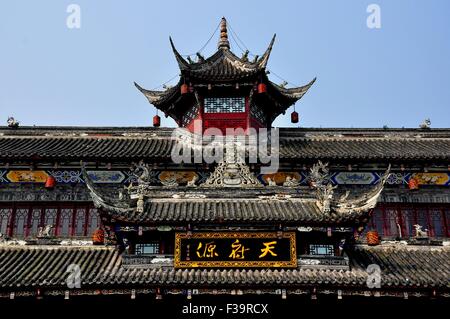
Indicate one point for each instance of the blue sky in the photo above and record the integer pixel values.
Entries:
(395, 76)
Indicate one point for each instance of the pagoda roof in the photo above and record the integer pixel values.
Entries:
(223, 67)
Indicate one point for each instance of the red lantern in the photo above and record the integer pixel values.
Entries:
(184, 88)
(294, 117)
(413, 184)
(372, 238)
(50, 182)
(262, 88)
(98, 237)
(156, 121)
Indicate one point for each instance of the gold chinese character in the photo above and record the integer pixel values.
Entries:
(268, 249)
(238, 250)
(208, 251)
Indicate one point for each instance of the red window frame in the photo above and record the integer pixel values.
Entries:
(87, 207)
(415, 208)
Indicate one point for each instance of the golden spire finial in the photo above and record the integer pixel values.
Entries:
(223, 40)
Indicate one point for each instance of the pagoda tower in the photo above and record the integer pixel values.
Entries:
(225, 91)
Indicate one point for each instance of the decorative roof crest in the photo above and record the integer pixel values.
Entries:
(320, 179)
(223, 40)
(232, 172)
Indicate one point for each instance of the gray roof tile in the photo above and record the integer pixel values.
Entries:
(149, 144)
(25, 267)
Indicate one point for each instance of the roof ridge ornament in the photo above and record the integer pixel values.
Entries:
(223, 40)
(320, 179)
(232, 171)
(103, 201)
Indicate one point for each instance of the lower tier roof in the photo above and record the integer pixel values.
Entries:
(45, 267)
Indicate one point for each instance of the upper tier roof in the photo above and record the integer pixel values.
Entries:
(221, 68)
(125, 143)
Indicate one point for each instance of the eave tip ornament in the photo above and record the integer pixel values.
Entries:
(327, 202)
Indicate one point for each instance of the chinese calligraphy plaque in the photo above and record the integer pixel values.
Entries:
(235, 249)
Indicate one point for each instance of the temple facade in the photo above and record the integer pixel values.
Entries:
(109, 211)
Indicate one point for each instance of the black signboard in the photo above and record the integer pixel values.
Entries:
(235, 249)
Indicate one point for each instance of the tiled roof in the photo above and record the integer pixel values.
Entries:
(236, 210)
(365, 149)
(85, 147)
(295, 144)
(406, 267)
(222, 66)
(420, 266)
(46, 266)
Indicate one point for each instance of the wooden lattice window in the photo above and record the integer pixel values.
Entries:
(80, 222)
(36, 221)
(94, 221)
(387, 219)
(391, 222)
(437, 224)
(69, 220)
(378, 221)
(65, 222)
(5, 219)
(258, 114)
(20, 222)
(408, 217)
(50, 216)
(224, 104)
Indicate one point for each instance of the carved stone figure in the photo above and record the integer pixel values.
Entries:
(271, 182)
(193, 181)
(325, 196)
(140, 204)
(320, 179)
(426, 124)
(124, 194)
(126, 245)
(170, 182)
(12, 123)
(142, 172)
(290, 182)
(420, 232)
(319, 174)
(46, 231)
